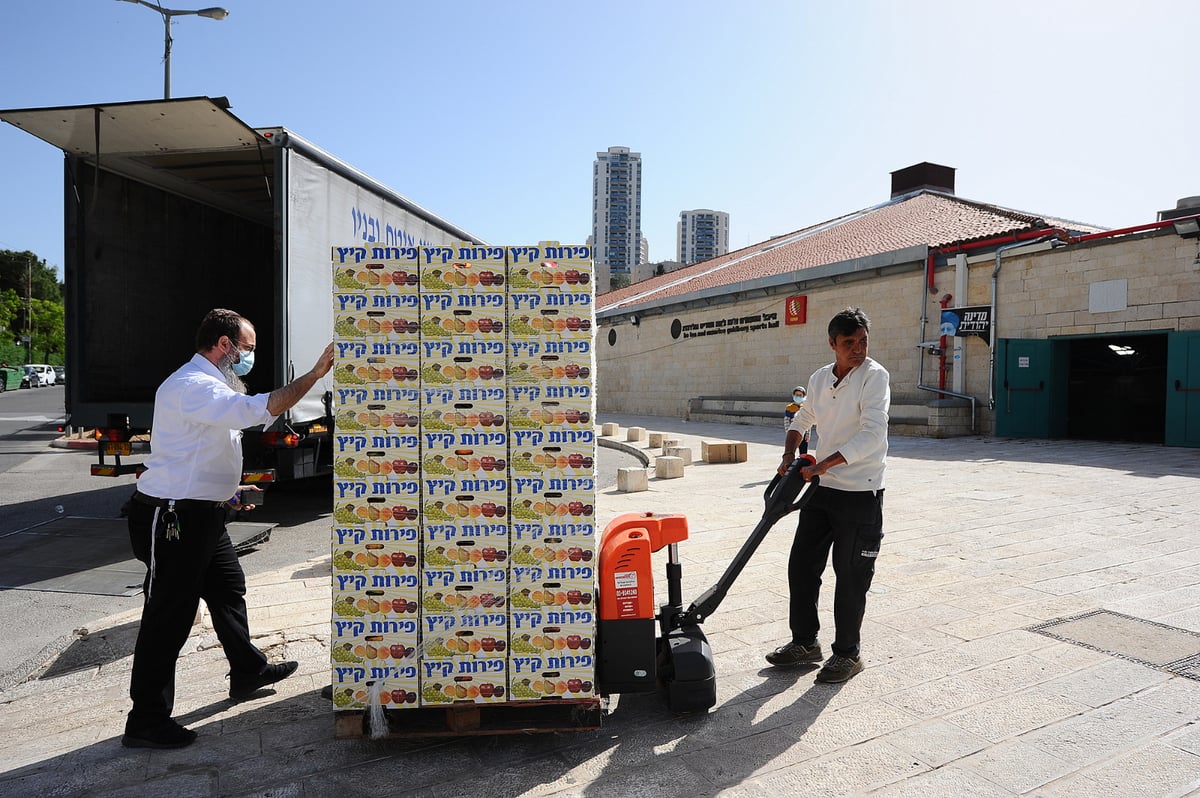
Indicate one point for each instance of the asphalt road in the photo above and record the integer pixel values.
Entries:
(40, 484)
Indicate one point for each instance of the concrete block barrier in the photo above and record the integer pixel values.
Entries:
(684, 453)
(668, 467)
(632, 480)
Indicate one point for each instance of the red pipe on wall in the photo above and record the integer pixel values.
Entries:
(946, 299)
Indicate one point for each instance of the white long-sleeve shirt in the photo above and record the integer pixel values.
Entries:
(852, 418)
(196, 437)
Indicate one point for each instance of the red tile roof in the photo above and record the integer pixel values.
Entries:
(923, 218)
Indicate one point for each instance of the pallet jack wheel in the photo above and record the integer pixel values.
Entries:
(687, 675)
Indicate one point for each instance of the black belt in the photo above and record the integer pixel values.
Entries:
(152, 501)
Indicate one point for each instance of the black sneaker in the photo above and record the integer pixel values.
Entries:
(167, 735)
(839, 669)
(243, 686)
(795, 654)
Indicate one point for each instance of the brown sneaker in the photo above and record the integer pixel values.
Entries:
(839, 669)
(795, 654)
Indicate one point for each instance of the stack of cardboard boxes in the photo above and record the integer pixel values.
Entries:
(464, 535)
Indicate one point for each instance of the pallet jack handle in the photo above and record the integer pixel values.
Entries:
(785, 494)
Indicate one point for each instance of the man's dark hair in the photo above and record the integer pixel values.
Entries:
(847, 322)
(216, 323)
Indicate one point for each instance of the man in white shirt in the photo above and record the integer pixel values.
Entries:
(848, 400)
(177, 522)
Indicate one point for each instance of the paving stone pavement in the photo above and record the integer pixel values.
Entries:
(985, 539)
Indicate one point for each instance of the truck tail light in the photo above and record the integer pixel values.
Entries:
(280, 440)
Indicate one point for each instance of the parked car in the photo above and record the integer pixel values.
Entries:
(60, 375)
(37, 375)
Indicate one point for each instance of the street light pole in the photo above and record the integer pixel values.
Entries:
(216, 13)
(29, 310)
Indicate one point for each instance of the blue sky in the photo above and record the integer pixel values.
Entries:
(782, 113)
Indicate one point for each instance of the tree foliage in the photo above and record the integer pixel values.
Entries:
(31, 302)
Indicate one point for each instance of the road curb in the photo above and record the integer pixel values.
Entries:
(620, 446)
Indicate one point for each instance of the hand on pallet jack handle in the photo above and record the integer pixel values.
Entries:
(787, 484)
(793, 461)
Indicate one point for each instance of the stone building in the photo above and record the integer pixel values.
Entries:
(990, 320)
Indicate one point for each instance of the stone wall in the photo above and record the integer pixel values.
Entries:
(648, 370)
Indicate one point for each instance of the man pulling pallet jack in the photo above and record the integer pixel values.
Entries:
(850, 399)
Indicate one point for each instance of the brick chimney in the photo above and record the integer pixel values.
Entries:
(921, 176)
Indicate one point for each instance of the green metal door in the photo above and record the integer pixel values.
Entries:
(1183, 389)
(1031, 388)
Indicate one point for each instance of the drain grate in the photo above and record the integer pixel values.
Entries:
(1155, 645)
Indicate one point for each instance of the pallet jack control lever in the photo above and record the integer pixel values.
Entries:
(785, 494)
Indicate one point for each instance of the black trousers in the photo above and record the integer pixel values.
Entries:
(200, 564)
(851, 524)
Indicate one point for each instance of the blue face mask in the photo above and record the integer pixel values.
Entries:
(243, 366)
(798, 399)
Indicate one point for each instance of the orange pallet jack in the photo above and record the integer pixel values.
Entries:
(640, 651)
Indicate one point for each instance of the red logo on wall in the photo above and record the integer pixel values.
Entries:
(795, 310)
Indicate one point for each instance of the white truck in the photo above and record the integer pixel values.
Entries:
(174, 207)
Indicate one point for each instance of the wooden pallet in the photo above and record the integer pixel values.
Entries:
(512, 717)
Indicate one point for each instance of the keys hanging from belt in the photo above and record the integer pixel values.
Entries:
(171, 522)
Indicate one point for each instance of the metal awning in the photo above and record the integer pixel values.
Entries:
(137, 128)
(189, 146)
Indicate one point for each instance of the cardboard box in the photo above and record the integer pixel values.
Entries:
(376, 511)
(368, 606)
(375, 486)
(488, 531)
(549, 265)
(553, 499)
(541, 573)
(464, 680)
(531, 620)
(487, 508)
(395, 531)
(555, 331)
(462, 599)
(393, 686)
(541, 528)
(481, 553)
(376, 371)
(560, 674)
(471, 445)
(482, 621)
(723, 451)
(575, 460)
(441, 327)
(356, 323)
(549, 370)
(576, 303)
(488, 577)
(561, 595)
(374, 556)
(438, 395)
(552, 551)
(534, 391)
(458, 371)
(358, 274)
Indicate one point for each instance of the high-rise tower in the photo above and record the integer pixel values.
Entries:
(617, 240)
(702, 234)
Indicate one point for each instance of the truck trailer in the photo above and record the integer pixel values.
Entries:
(175, 207)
